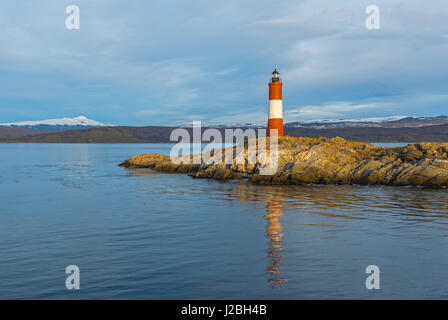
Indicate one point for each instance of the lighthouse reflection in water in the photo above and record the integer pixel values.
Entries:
(274, 230)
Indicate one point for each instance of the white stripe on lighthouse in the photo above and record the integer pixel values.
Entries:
(275, 109)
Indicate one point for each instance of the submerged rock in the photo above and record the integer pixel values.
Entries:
(319, 161)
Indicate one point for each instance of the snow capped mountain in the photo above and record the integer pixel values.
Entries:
(377, 120)
(390, 122)
(80, 122)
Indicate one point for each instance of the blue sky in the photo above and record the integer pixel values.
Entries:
(171, 62)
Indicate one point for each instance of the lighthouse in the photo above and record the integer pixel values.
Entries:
(275, 120)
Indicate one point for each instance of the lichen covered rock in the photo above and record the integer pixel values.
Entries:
(319, 161)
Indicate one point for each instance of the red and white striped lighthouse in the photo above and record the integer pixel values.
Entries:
(275, 120)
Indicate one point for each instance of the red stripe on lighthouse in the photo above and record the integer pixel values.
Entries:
(276, 124)
(275, 90)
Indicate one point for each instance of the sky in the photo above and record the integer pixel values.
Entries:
(168, 62)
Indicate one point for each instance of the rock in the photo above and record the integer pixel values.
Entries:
(222, 174)
(318, 161)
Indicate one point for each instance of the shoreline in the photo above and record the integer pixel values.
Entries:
(321, 161)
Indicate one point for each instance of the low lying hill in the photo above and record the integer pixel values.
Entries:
(16, 132)
(438, 133)
(101, 135)
(157, 134)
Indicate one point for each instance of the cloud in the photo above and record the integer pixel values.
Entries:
(212, 60)
(227, 72)
(272, 22)
(327, 111)
(258, 118)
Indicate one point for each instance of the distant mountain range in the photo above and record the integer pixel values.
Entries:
(388, 122)
(80, 122)
(83, 130)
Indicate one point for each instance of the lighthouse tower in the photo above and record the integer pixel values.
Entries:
(275, 120)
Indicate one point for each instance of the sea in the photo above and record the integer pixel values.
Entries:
(141, 234)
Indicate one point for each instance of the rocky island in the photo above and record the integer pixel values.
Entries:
(321, 161)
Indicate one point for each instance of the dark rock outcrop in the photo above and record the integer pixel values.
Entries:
(321, 161)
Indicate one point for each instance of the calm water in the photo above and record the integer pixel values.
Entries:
(144, 235)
